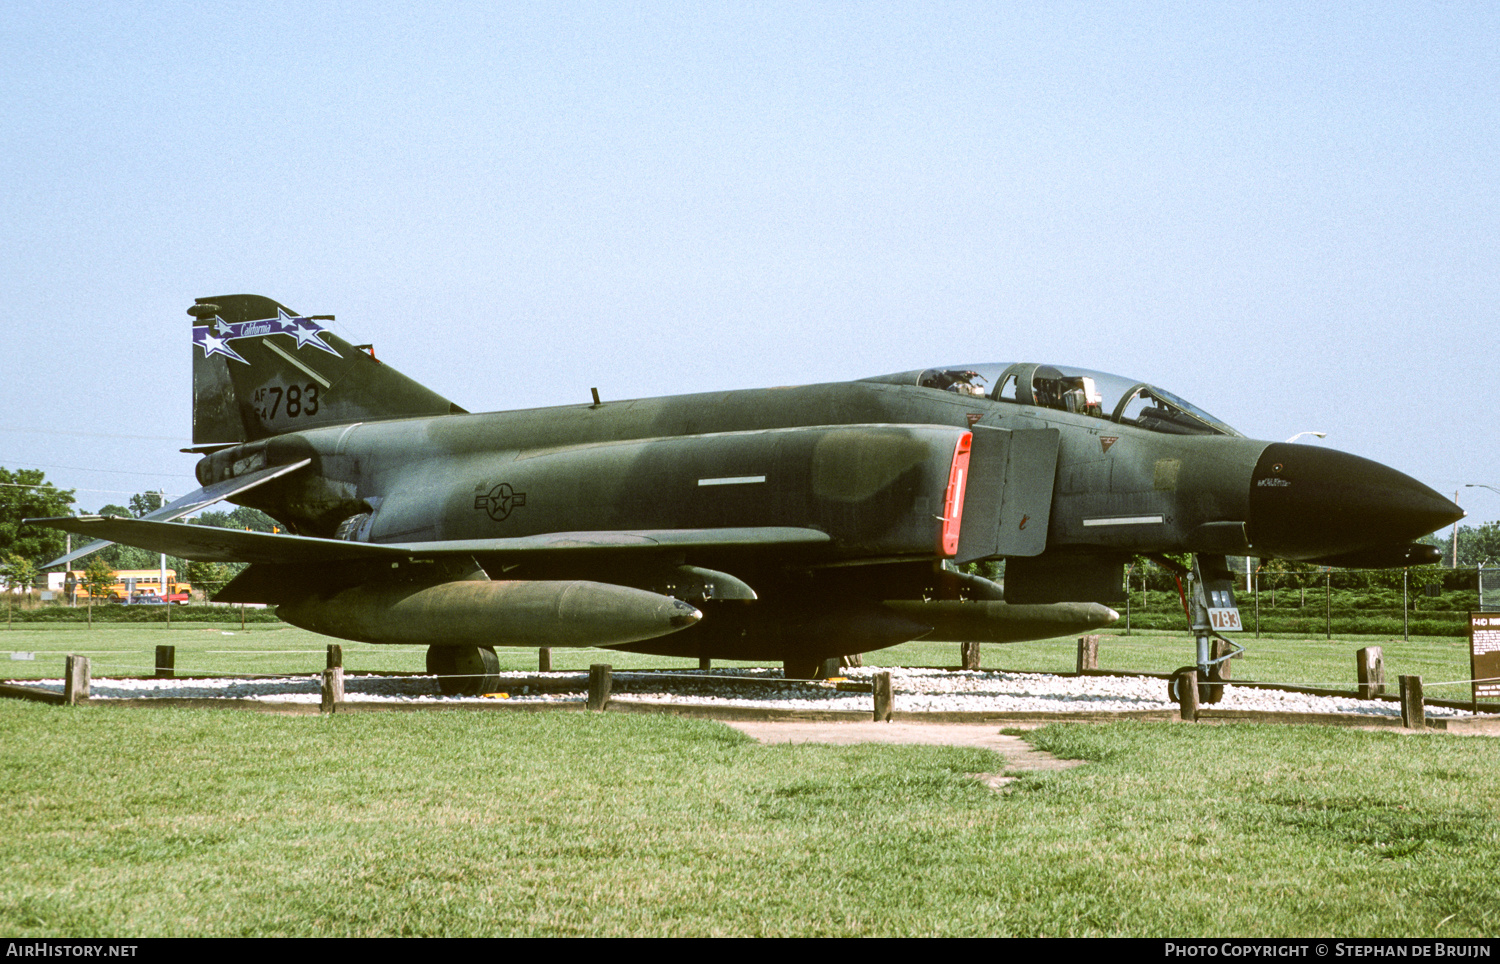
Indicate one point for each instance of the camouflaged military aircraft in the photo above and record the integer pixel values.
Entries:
(789, 524)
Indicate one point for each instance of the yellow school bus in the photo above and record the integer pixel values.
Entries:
(135, 585)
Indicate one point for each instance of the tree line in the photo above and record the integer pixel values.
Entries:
(1477, 546)
(26, 494)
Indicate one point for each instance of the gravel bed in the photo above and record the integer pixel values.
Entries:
(916, 690)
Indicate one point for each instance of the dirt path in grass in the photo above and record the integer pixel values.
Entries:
(1017, 753)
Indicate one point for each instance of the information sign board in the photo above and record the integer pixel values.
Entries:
(1484, 654)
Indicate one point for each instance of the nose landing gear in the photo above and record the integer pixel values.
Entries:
(1209, 602)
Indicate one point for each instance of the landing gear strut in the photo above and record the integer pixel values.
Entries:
(1210, 603)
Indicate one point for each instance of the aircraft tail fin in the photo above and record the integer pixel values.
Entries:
(260, 369)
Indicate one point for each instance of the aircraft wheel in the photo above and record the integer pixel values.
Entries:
(464, 670)
(1174, 682)
(808, 668)
(1208, 692)
(799, 669)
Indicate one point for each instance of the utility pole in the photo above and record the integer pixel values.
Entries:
(1455, 533)
(161, 577)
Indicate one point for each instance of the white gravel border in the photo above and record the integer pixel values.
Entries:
(916, 690)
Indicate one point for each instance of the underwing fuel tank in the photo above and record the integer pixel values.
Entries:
(506, 613)
(989, 621)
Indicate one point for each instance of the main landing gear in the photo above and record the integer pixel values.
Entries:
(464, 670)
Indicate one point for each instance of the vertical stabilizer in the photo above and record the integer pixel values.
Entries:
(260, 369)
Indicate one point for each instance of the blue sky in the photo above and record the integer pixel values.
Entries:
(1286, 213)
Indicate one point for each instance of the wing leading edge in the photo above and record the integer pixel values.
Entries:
(176, 509)
(211, 544)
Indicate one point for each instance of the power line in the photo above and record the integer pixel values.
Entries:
(80, 468)
(63, 431)
(49, 485)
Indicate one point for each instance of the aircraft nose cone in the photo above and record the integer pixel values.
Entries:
(1308, 502)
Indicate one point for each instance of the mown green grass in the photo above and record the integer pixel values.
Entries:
(1439, 660)
(226, 648)
(267, 648)
(179, 822)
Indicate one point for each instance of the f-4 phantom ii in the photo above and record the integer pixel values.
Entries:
(786, 524)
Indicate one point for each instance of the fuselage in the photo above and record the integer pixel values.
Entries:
(631, 464)
(733, 459)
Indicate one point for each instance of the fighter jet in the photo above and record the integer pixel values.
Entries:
(789, 524)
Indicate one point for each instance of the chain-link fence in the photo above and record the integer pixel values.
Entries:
(1489, 590)
(1279, 598)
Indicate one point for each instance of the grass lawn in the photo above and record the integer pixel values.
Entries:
(226, 648)
(1441, 661)
(179, 822)
(176, 822)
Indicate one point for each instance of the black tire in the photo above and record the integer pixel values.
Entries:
(803, 669)
(1174, 684)
(464, 670)
(1207, 692)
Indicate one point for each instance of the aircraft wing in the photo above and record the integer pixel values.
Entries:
(212, 544)
(177, 508)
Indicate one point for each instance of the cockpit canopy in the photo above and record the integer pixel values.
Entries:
(1067, 389)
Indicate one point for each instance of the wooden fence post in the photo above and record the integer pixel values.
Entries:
(1088, 652)
(1369, 671)
(968, 655)
(600, 681)
(1186, 683)
(335, 656)
(166, 662)
(333, 688)
(76, 684)
(883, 701)
(544, 660)
(1413, 709)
